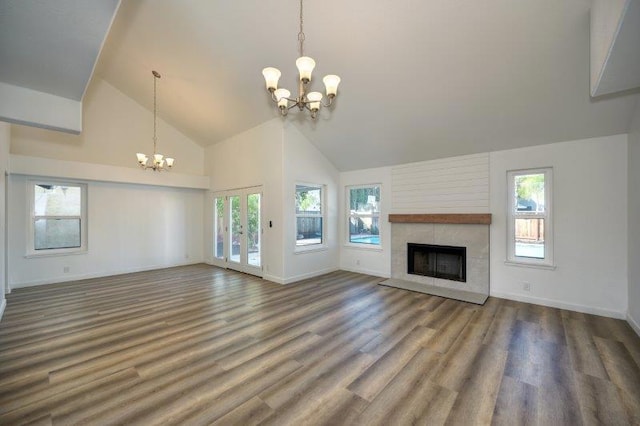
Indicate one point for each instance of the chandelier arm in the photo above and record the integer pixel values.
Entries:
(327, 105)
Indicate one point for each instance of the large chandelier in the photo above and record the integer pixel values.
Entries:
(312, 100)
(158, 161)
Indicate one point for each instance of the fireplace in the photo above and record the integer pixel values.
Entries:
(446, 262)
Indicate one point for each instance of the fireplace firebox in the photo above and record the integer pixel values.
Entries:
(447, 262)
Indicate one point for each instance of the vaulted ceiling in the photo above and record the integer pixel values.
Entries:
(420, 79)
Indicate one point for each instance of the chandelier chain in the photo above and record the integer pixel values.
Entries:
(155, 109)
(301, 35)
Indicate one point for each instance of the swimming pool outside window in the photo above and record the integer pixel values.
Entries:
(364, 215)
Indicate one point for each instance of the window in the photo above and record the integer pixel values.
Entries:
(309, 215)
(530, 222)
(58, 218)
(364, 215)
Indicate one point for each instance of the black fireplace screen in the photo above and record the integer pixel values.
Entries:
(447, 262)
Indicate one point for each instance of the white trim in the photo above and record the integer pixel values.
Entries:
(61, 169)
(301, 277)
(3, 305)
(633, 323)
(366, 272)
(560, 305)
(322, 245)
(273, 279)
(100, 275)
(547, 216)
(366, 247)
(347, 204)
(83, 217)
(530, 265)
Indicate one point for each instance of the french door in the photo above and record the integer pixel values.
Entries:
(238, 230)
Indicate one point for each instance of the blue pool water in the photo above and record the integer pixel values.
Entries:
(366, 239)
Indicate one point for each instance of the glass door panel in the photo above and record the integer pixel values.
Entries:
(218, 226)
(254, 230)
(235, 235)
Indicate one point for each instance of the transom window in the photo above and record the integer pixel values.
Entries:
(530, 221)
(58, 217)
(364, 215)
(309, 215)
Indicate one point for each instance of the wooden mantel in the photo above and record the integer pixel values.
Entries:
(452, 218)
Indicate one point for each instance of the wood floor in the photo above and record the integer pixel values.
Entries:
(201, 345)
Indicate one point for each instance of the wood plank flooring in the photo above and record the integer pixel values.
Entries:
(202, 345)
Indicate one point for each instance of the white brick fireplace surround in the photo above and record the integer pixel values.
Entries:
(460, 230)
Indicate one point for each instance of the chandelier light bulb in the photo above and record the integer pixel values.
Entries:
(331, 83)
(281, 96)
(314, 99)
(305, 66)
(271, 77)
(169, 161)
(142, 159)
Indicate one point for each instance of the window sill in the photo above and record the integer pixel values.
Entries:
(367, 247)
(59, 253)
(530, 265)
(310, 249)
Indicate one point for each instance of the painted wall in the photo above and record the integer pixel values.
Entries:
(114, 128)
(374, 261)
(303, 163)
(4, 167)
(277, 156)
(449, 185)
(634, 221)
(130, 228)
(590, 217)
(251, 158)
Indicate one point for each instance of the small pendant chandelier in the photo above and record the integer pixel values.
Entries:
(310, 101)
(158, 161)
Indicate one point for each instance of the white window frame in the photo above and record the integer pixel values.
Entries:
(348, 241)
(548, 261)
(322, 245)
(31, 251)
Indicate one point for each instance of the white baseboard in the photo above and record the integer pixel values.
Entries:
(300, 277)
(3, 304)
(561, 305)
(273, 279)
(366, 271)
(634, 324)
(67, 278)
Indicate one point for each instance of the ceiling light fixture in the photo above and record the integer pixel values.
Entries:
(158, 161)
(312, 100)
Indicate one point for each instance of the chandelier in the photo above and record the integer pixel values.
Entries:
(158, 161)
(311, 100)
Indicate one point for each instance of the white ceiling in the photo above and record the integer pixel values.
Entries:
(52, 46)
(421, 79)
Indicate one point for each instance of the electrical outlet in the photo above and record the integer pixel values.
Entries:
(358, 262)
(526, 286)
(65, 269)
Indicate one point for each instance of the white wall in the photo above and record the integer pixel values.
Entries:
(590, 222)
(4, 167)
(449, 185)
(277, 156)
(303, 163)
(634, 221)
(114, 128)
(130, 228)
(374, 261)
(251, 158)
